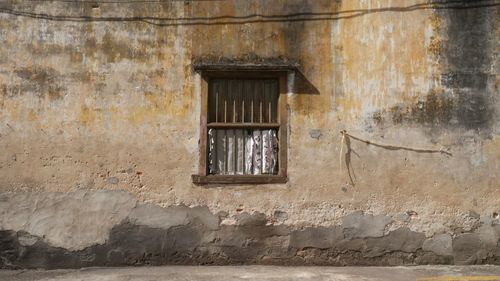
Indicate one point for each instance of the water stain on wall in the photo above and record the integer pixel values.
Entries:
(464, 45)
(469, 53)
(40, 81)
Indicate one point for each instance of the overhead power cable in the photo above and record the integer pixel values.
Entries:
(252, 18)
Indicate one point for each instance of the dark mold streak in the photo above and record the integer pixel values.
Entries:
(467, 97)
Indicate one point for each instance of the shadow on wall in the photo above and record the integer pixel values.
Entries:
(302, 85)
(298, 40)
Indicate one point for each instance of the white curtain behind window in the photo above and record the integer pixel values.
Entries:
(243, 151)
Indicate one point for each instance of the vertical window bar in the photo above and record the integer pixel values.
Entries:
(252, 111)
(243, 111)
(265, 93)
(234, 107)
(217, 105)
(274, 102)
(269, 100)
(261, 89)
(225, 101)
(266, 102)
(225, 111)
(230, 100)
(242, 101)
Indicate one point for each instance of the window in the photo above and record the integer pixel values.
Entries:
(243, 127)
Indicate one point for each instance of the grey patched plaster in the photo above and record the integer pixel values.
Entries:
(73, 220)
(440, 244)
(158, 217)
(488, 236)
(100, 228)
(467, 248)
(401, 239)
(319, 237)
(315, 134)
(359, 225)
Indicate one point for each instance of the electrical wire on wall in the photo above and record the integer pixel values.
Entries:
(231, 19)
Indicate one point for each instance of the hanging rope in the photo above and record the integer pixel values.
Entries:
(395, 147)
(346, 138)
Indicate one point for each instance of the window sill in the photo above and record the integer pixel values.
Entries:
(264, 179)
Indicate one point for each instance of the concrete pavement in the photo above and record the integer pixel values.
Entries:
(247, 273)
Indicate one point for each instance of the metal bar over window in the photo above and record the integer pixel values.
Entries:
(242, 126)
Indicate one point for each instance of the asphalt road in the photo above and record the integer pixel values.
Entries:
(261, 273)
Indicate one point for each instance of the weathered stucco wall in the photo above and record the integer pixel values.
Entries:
(99, 129)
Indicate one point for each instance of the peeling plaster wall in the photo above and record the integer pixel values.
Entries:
(99, 129)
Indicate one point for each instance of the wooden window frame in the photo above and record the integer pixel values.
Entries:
(203, 177)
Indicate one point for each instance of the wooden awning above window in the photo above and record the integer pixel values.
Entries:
(265, 65)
